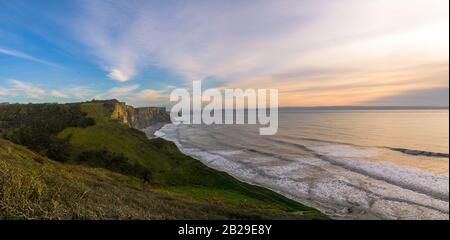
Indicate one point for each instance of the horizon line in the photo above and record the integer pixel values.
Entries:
(324, 107)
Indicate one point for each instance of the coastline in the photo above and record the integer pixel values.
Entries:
(159, 176)
(152, 132)
(335, 210)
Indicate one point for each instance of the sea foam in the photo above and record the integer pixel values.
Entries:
(338, 181)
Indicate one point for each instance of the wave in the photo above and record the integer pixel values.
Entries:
(329, 154)
(390, 173)
(420, 189)
(412, 152)
(321, 141)
(325, 179)
(419, 152)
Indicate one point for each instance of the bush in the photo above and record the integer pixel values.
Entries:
(58, 149)
(35, 126)
(114, 162)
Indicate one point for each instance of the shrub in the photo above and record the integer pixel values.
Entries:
(35, 126)
(114, 162)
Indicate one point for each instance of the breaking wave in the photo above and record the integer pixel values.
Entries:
(345, 180)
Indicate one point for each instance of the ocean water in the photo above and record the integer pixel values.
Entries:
(350, 164)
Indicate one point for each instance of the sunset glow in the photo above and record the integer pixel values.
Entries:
(315, 52)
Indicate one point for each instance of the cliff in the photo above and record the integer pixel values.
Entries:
(139, 117)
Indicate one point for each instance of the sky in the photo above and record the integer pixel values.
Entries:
(315, 52)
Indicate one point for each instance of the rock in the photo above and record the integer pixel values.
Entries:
(139, 117)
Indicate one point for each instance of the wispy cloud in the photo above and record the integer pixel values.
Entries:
(82, 92)
(59, 94)
(26, 57)
(4, 92)
(118, 75)
(149, 97)
(315, 51)
(29, 89)
(122, 91)
(138, 97)
(236, 41)
(26, 90)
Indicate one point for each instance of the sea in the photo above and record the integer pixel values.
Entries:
(349, 164)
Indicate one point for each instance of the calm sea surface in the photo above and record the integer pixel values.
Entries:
(351, 164)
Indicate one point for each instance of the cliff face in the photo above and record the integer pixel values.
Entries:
(139, 117)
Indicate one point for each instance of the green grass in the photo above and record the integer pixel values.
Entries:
(173, 176)
(34, 187)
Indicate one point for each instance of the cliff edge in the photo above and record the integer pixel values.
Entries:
(139, 117)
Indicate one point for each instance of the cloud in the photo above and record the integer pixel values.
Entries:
(149, 94)
(26, 57)
(145, 97)
(122, 91)
(29, 89)
(59, 94)
(286, 45)
(20, 88)
(4, 92)
(352, 86)
(82, 92)
(427, 97)
(148, 97)
(234, 41)
(118, 75)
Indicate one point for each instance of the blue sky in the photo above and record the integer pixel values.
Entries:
(322, 52)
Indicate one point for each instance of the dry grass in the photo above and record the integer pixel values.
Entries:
(33, 187)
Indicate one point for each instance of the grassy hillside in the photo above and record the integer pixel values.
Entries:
(113, 171)
(34, 187)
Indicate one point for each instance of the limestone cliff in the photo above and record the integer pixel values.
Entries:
(139, 117)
